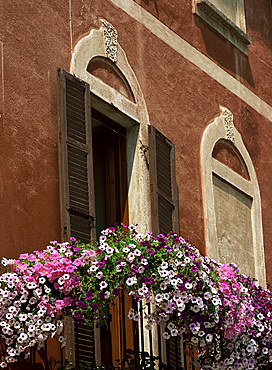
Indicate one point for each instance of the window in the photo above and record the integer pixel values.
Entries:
(94, 187)
(95, 174)
(104, 129)
(233, 10)
(231, 199)
(227, 18)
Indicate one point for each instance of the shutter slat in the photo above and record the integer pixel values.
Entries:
(76, 132)
(164, 194)
(79, 165)
(85, 344)
(165, 216)
(76, 111)
(76, 102)
(78, 183)
(165, 186)
(84, 337)
(76, 120)
(163, 161)
(76, 129)
(78, 207)
(80, 227)
(79, 195)
(77, 169)
(78, 179)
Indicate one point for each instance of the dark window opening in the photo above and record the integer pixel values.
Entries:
(110, 172)
(111, 207)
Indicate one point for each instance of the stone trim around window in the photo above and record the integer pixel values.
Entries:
(219, 22)
(211, 167)
(102, 43)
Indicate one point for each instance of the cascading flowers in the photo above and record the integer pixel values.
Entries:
(34, 294)
(224, 316)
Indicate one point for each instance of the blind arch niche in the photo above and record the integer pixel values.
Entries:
(232, 202)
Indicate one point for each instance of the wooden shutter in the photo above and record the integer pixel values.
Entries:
(164, 208)
(76, 163)
(164, 191)
(84, 344)
(76, 181)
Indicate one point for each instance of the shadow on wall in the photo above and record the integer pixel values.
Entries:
(259, 19)
(225, 54)
(147, 2)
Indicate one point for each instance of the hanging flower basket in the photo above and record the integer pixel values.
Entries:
(224, 316)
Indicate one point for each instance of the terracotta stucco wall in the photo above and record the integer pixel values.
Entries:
(253, 71)
(181, 101)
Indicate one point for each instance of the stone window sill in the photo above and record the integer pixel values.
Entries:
(222, 24)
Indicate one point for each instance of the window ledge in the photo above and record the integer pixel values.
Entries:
(222, 24)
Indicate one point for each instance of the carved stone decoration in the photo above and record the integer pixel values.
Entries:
(228, 118)
(110, 39)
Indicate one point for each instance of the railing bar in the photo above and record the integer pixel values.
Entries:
(159, 346)
(150, 333)
(124, 323)
(61, 357)
(142, 330)
(120, 326)
(168, 354)
(177, 353)
(135, 339)
(185, 355)
(76, 338)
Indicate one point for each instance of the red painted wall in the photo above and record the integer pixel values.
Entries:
(181, 101)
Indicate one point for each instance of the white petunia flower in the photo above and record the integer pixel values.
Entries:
(166, 335)
(159, 298)
(103, 284)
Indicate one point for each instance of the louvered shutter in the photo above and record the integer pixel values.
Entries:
(164, 192)
(76, 181)
(78, 209)
(164, 208)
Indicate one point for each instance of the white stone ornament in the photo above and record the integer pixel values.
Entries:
(110, 39)
(229, 125)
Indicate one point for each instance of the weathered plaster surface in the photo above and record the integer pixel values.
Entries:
(194, 56)
(178, 17)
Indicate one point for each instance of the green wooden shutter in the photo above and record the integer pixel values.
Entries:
(76, 163)
(164, 191)
(76, 181)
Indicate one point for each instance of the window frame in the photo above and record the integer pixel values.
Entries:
(213, 17)
(134, 116)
